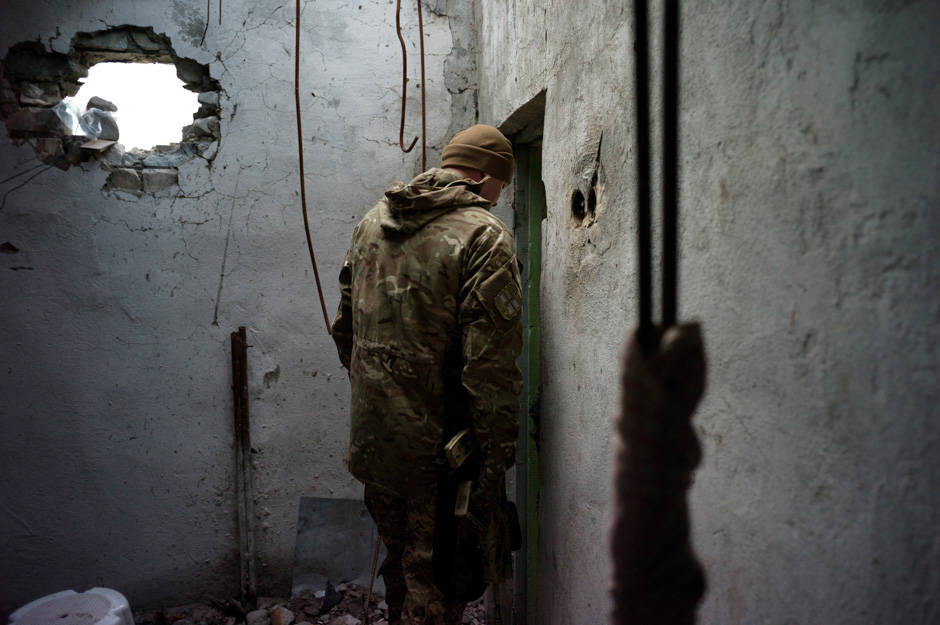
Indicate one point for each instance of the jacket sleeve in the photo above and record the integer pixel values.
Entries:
(490, 315)
(342, 329)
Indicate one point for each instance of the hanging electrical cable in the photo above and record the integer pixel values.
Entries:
(404, 82)
(645, 334)
(670, 188)
(208, 15)
(424, 111)
(303, 191)
(404, 87)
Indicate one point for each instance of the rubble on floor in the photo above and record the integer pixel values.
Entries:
(342, 606)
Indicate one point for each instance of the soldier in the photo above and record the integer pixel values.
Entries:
(430, 292)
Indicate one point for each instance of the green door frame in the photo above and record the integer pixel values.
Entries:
(527, 226)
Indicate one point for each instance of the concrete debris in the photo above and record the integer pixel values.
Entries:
(109, 128)
(130, 44)
(143, 40)
(208, 150)
(305, 610)
(208, 105)
(100, 103)
(210, 98)
(205, 127)
(174, 159)
(258, 617)
(45, 95)
(331, 598)
(281, 616)
(112, 157)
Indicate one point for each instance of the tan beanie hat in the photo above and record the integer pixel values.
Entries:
(480, 147)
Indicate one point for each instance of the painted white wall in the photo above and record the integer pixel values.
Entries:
(809, 225)
(117, 456)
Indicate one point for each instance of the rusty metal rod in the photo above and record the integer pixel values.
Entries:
(303, 190)
(208, 15)
(249, 581)
(404, 81)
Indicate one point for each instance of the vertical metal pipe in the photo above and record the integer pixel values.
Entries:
(249, 584)
(670, 190)
(644, 221)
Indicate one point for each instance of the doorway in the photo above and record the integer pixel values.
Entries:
(528, 216)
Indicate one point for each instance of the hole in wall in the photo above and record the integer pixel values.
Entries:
(587, 200)
(151, 104)
(577, 206)
(34, 84)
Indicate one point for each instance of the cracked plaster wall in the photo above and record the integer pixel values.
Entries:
(118, 458)
(809, 251)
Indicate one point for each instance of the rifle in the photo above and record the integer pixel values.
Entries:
(457, 560)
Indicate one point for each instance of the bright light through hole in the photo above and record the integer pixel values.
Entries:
(153, 106)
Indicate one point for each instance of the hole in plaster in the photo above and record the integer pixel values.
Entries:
(152, 103)
(35, 82)
(585, 211)
(577, 206)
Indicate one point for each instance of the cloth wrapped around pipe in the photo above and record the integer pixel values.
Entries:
(656, 576)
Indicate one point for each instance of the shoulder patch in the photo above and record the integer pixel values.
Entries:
(501, 297)
(508, 301)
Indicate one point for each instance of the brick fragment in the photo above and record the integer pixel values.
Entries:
(125, 180)
(158, 179)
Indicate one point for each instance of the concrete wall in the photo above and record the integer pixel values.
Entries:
(117, 452)
(810, 219)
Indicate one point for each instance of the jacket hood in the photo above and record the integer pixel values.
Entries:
(409, 207)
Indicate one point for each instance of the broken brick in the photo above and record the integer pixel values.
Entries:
(158, 179)
(46, 94)
(125, 179)
(34, 121)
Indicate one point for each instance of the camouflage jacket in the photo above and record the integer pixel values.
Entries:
(430, 276)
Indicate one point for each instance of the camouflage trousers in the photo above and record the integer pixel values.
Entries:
(407, 529)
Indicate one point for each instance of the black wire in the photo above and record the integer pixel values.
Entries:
(645, 334)
(670, 188)
(25, 171)
(24, 183)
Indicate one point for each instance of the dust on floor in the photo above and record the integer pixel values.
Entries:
(340, 606)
